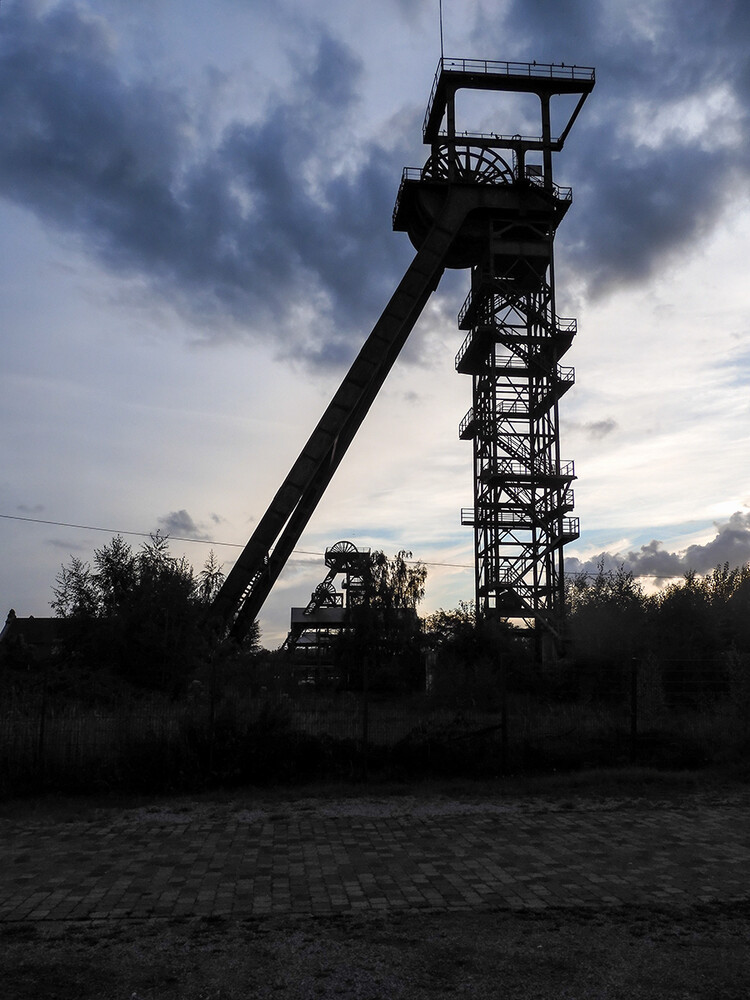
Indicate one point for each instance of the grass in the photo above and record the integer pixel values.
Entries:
(165, 747)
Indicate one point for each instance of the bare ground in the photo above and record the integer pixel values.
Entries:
(633, 953)
(630, 953)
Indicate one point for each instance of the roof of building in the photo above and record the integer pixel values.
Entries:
(39, 633)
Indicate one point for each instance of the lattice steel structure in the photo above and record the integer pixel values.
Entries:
(469, 207)
(314, 628)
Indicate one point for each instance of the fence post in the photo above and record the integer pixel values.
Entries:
(42, 725)
(634, 710)
(503, 715)
(211, 712)
(365, 713)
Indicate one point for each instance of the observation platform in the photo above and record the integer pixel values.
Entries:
(520, 474)
(510, 516)
(495, 195)
(543, 79)
(330, 617)
(569, 531)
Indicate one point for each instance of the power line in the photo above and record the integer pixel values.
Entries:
(119, 531)
(240, 545)
(186, 538)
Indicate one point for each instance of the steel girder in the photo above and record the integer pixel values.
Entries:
(522, 487)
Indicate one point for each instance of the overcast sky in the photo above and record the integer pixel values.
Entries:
(195, 230)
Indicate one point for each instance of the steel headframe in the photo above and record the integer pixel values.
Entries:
(469, 207)
(522, 487)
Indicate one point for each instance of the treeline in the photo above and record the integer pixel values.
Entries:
(141, 694)
(130, 620)
(693, 634)
(136, 620)
(612, 618)
(140, 621)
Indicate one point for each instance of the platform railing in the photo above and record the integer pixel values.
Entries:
(571, 528)
(504, 68)
(554, 71)
(512, 408)
(467, 420)
(467, 341)
(420, 174)
(511, 469)
(562, 324)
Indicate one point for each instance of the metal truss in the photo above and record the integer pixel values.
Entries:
(522, 488)
(468, 207)
(315, 627)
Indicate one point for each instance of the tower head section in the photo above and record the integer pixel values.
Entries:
(494, 164)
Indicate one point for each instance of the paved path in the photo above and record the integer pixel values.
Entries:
(319, 857)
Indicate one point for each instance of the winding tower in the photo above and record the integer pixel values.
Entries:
(328, 612)
(485, 202)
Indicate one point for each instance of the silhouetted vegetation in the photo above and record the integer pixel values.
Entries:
(384, 648)
(470, 660)
(694, 633)
(136, 618)
(137, 698)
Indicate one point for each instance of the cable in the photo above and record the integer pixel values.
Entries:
(185, 538)
(239, 545)
(120, 531)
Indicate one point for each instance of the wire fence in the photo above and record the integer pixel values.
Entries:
(671, 713)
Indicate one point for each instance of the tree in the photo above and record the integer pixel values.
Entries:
(608, 616)
(210, 579)
(685, 620)
(468, 656)
(137, 614)
(454, 628)
(396, 584)
(386, 637)
(74, 591)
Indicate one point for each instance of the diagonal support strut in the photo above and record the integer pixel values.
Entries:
(249, 583)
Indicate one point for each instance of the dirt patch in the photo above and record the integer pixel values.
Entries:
(625, 788)
(571, 955)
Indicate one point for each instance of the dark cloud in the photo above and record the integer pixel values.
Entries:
(260, 231)
(598, 429)
(731, 544)
(69, 547)
(638, 202)
(595, 430)
(37, 508)
(180, 523)
(264, 230)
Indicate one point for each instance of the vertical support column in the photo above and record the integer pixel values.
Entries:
(546, 141)
(450, 116)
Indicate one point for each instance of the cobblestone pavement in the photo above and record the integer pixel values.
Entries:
(322, 857)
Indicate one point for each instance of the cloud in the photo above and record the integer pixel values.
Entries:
(267, 230)
(69, 547)
(663, 144)
(181, 524)
(260, 232)
(598, 429)
(595, 430)
(37, 508)
(731, 544)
